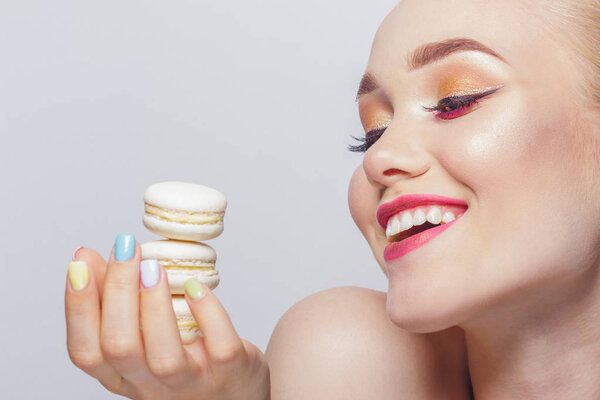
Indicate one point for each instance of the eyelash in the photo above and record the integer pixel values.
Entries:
(448, 108)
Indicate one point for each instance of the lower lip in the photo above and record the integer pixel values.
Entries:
(398, 249)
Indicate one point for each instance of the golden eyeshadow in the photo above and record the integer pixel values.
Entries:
(459, 84)
(376, 119)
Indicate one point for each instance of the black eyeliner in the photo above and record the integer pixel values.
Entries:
(454, 102)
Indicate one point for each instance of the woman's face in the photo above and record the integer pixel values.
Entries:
(511, 158)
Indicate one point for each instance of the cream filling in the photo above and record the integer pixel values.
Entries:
(196, 265)
(195, 218)
(178, 268)
(186, 323)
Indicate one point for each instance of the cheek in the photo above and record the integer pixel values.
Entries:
(523, 169)
(503, 153)
(363, 198)
(361, 201)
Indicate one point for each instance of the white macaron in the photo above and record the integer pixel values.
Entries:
(182, 261)
(185, 211)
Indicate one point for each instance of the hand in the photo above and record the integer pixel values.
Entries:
(104, 337)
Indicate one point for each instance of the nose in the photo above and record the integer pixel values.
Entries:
(396, 156)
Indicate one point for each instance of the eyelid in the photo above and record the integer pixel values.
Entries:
(467, 98)
(466, 92)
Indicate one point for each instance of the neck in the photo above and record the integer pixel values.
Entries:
(546, 344)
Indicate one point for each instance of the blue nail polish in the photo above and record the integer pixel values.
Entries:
(124, 247)
(150, 272)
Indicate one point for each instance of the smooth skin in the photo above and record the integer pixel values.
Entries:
(340, 344)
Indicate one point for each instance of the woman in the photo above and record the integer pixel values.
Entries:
(481, 115)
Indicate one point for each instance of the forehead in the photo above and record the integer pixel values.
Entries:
(505, 26)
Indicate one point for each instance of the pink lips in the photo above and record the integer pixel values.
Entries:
(387, 210)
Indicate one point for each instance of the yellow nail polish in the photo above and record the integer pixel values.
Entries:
(78, 274)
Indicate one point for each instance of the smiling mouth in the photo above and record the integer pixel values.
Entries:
(411, 220)
(414, 238)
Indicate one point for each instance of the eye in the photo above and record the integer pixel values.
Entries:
(448, 108)
(367, 141)
(454, 106)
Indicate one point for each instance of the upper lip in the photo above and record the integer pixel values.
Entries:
(389, 209)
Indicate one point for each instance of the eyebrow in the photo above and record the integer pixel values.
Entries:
(427, 54)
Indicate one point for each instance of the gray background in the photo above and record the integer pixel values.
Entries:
(100, 99)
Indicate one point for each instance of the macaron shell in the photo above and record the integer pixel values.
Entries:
(183, 260)
(179, 250)
(181, 231)
(185, 196)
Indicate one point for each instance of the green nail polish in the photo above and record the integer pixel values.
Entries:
(194, 288)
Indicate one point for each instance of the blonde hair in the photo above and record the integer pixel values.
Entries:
(579, 22)
(576, 23)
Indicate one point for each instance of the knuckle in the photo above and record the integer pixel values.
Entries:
(164, 368)
(74, 312)
(75, 306)
(227, 353)
(86, 360)
(118, 349)
(119, 283)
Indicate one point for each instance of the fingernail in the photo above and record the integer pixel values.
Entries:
(78, 275)
(124, 247)
(194, 288)
(75, 252)
(150, 272)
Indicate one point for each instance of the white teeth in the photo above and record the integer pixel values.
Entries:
(395, 226)
(419, 218)
(448, 216)
(406, 221)
(434, 215)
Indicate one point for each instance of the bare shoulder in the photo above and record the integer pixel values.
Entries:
(340, 344)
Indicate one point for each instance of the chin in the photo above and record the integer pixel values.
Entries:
(419, 315)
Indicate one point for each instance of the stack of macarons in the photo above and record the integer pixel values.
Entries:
(184, 213)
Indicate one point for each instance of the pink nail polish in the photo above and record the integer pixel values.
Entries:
(75, 252)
